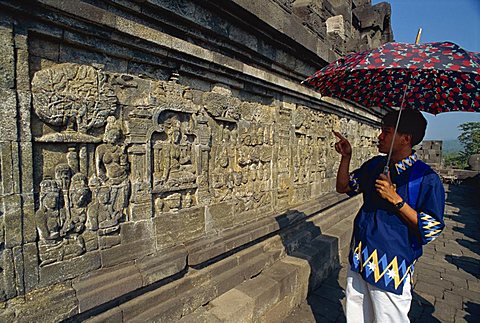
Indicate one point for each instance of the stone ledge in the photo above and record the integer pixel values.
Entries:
(209, 248)
(279, 19)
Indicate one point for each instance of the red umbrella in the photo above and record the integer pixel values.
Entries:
(440, 76)
(431, 77)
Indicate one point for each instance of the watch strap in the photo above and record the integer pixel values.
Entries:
(399, 205)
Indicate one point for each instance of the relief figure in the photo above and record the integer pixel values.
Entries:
(112, 168)
(173, 158)
(51, 214)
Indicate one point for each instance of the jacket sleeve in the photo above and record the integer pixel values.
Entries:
(357, 177)
(354, 182)
(430, 208)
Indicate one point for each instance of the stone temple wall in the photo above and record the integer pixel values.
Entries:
(137, 137)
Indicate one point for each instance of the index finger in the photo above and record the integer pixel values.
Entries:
(338, 135)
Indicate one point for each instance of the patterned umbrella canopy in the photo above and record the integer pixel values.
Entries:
(440, 76)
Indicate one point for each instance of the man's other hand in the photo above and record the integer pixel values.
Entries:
(386, 189)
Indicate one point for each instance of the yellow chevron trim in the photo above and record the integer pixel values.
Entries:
(393, 265)
(433, 233)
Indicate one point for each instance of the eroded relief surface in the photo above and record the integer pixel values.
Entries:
(115, 149)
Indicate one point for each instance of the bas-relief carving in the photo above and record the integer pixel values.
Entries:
(174, 161)
(241, 153)
(76, 98)
(154, 153)
(90, 186)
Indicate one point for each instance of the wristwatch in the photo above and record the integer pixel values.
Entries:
(399, 205)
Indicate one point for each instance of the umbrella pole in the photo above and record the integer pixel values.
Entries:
(386, 168)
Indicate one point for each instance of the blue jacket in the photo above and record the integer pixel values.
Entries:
(384, 248)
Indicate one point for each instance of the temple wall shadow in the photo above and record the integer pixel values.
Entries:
(323, 241)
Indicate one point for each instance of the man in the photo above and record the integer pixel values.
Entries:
(402, 211)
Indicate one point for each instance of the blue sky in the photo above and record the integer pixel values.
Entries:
(441, 20)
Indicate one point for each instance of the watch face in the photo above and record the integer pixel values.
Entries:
(399, 204)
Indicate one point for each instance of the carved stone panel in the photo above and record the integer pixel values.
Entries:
(113, 150)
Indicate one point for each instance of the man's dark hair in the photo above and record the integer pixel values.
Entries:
(412, 122)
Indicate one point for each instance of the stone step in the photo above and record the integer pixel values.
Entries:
(260, 283)
(272, 295)
(205, 249)
(178, 298)
(268, 297)
(342, 231)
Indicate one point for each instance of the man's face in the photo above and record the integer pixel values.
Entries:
(385, 139)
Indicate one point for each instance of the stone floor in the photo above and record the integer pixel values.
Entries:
(447, 276)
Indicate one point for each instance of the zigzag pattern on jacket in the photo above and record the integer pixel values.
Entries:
(369, 263)
(401, 166)
(431, 227)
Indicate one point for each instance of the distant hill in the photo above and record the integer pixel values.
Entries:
(452, 146)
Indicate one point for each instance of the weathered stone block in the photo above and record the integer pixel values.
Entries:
(53, 303)
(13, 220)
(169, 311)
(219, 216)
(201, 315)
(264, 291)
(29, 224)
(104, 285)
(304, 272)
(286, 275)
(22, 69)
(7, 60)
(30, 258)
(8, 113)
(67, 269)
(7, 314)
(228, 280)
(149, 34)
(114, 315)
(130, 232)
(278, 312)
(7, 284)
(221, 266)
(91, 240)
(19, 269)
(173, 295)
(126, 252)
(372, 16)
(44, 48)
(106, 242)
(187, 224)
(163, 264)
(163, 233)
(241, 312)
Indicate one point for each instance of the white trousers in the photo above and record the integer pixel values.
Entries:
(367, 303)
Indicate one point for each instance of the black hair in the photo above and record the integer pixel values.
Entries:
(412, 122)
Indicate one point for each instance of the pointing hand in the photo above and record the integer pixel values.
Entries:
(342, 147)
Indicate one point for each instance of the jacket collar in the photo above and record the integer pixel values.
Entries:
(405, 163)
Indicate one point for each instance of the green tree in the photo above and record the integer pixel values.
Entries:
(470, 139)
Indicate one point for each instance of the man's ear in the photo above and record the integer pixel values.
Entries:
(407, 139)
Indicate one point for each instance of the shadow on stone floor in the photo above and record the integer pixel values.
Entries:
(326, 301)
(467, 264)
(421, 310)
(305, 240)
(473, 312)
